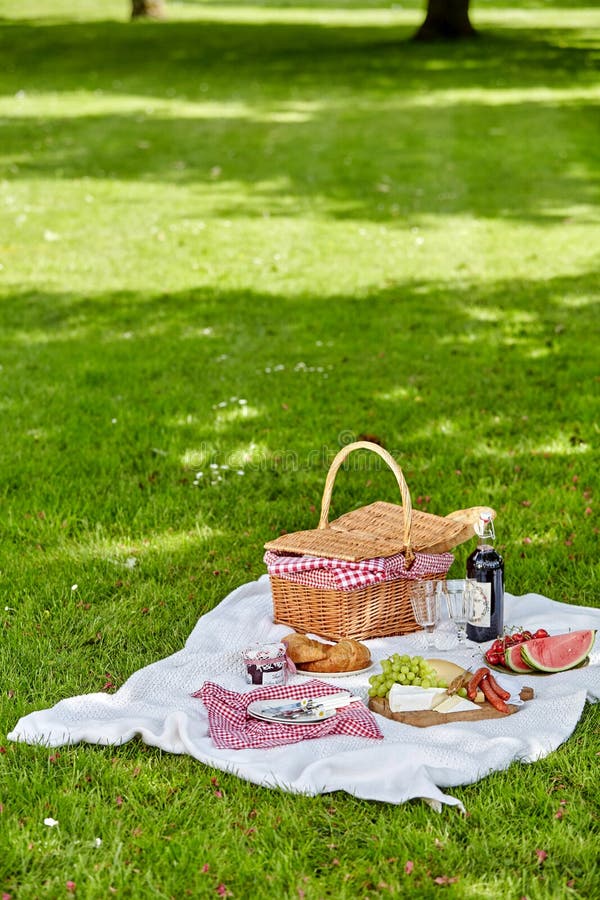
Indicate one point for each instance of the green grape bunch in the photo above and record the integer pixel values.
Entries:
(407, 670)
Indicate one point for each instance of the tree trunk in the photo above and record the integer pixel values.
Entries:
(446, 20)
(147, 9)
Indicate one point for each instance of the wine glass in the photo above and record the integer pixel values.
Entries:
(425, 603)
(459, 601)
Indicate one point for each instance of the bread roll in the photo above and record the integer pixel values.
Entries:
(302, 649)
(345, 656)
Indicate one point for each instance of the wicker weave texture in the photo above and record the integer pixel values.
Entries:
(375, 530)
(380, 610)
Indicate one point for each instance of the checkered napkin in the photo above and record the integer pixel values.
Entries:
(232, 728)
(342, 575)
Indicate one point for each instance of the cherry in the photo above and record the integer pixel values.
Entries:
(541, 633)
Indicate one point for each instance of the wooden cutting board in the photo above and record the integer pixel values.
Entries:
(423, 718)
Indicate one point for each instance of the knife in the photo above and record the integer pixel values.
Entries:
(314, 704)
(318, 712)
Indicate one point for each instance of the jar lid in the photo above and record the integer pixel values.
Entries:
(258, 652)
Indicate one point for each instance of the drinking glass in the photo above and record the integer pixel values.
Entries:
(459, 601)
(425, 602)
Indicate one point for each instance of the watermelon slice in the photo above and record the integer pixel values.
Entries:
(514, 659)
(558, 652)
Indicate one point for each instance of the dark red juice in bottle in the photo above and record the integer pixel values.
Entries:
(486, 567)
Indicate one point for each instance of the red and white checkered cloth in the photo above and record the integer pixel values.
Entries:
(232, 728)
(341, 575)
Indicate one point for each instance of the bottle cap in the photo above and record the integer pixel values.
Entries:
(484, 528)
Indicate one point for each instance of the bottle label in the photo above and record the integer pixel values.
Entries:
(482, 604)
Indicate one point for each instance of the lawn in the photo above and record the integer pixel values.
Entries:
(230, 243)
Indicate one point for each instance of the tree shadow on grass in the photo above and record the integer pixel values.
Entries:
(348, 118)
(179, 57)
(152, 361)
(249, 161)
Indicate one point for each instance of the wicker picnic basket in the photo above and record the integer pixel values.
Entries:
(377, 530)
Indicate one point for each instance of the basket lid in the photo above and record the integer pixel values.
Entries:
(379, 529)
(375, 530)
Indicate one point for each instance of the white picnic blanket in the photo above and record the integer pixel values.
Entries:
(156, 704)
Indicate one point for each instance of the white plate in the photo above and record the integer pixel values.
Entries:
(335, 674)
(260, 710)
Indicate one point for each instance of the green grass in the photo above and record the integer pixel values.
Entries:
(298, 208)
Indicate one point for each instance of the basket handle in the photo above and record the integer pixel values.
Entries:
(389, 459)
